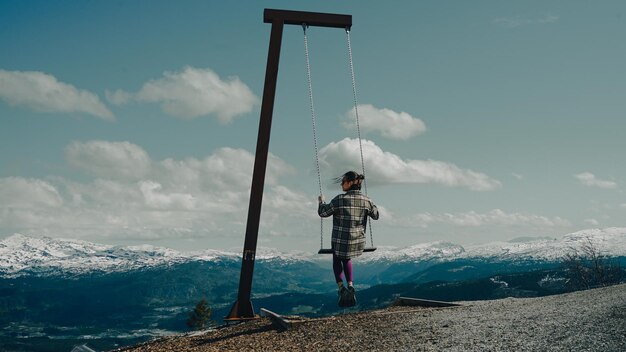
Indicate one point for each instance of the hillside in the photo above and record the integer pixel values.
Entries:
(593, 320)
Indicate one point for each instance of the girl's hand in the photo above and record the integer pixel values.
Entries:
(320, 198)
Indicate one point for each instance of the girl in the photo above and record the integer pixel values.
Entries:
(350, 211)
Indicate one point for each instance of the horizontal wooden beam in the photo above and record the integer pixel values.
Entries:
(416, 302)
(277, 319)
(316, 19)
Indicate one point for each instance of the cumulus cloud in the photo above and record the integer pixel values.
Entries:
(109, 159)
(390, 124)
(226, 168)
(156, 198)
(31, 202)
(44, 93)
(589, 179)
(283, 201)
(385, 167)
(193, 92)
(17, 192)
(493, 217)
(134, 196)
(519, 21)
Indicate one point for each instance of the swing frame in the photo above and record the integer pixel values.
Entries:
(242, 309)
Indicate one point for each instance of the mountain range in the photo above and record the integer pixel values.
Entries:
(55, 293)
(28, 255)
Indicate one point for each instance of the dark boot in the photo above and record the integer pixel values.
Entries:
(350, 297)
(343, 294)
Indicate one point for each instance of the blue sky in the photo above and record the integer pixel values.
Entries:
(136, 122)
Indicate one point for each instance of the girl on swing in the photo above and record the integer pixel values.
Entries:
(350, 211)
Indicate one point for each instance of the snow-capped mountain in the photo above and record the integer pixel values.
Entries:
(419, 252)
(21, 254)
(609, 242)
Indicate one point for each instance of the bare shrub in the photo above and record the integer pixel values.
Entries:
(587, 267)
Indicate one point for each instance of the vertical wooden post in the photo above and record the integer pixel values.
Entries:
(243, 307)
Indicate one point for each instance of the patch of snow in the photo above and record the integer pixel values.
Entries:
(496, 280)
(552, 282)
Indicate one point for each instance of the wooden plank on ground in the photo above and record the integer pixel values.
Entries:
(416, 302)
(277, 319)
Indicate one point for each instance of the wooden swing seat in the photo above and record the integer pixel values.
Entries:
(331, 251)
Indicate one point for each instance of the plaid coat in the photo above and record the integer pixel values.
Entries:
(350, 211)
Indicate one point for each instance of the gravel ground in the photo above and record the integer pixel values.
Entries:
(593, 320)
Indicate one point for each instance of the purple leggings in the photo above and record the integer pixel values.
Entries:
(341, 266)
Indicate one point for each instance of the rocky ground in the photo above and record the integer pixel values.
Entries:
(593, 320)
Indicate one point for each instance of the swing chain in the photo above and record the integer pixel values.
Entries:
(312, 109)
(358, 127)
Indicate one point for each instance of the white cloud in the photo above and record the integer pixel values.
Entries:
(592, 222)
(518, 176)
(227, 168)
(194, 92)
(289, 206)
(589, 179)
(493, 217)
(390, 124)
(17, 192)
(156, 199)
(623, 205)
(107, 194)
(519, 21)
(109, 159)
(384, 167)
(26, 201)
(44, 93)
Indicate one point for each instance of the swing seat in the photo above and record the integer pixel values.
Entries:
(331, 251)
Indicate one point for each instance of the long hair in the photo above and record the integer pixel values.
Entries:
(351, 176)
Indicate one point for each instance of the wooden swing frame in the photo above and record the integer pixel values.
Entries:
(242, 309)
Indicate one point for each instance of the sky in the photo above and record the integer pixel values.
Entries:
(135, 122)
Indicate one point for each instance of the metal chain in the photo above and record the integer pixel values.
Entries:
(312, 108)
(358, 127)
